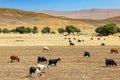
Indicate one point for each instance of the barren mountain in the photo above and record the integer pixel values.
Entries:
(94, 14)
(12, 18)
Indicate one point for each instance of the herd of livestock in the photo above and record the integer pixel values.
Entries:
(40, 68)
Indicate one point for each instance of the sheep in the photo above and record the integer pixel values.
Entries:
(86, 53)
(46, 49)
(98, 38)
(102, 44)
(70, 41)
(35, 70)
(74, 38)
(42, 67)
(69, 38)
(41, 59)
(83, 40)
(71, 44)
(110, 62)
(113, 50)
(91, 38)
(53, 61)
(14, 57)
(79, 40)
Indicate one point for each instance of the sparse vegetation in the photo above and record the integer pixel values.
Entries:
(21, 30)
(107, 29)
(72, 29)
(46, 30)
(61, 30)
(5, 30)
(35, 30)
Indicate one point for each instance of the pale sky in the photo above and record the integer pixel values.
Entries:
(59, 5)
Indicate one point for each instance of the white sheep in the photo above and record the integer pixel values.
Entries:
(46, 49)
(42, 68)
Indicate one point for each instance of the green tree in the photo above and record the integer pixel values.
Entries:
(107, 29)
(20, 30)
(0, 30)
(13, 30)
(72, 29)
(61, 30)
(35, 30)
(5, 30)
(28, 30)
(69, 29)
(46, 30)
(77, 30)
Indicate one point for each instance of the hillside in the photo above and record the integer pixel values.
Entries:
(115, 19)
(94, 14)
(12, 18)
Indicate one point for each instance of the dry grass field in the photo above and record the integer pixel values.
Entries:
(73, 66)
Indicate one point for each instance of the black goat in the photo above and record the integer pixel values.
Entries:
(53, 61)
(71, 44)
(41, 59)
(102, 44)
(79, 40)
(110, 62)
(86, 53)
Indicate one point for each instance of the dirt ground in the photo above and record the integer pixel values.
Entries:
(56, 40)
(73, 66)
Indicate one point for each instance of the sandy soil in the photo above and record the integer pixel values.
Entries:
(55, 40)
(73, 66)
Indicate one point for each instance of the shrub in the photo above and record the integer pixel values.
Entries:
(45, 30)
(107, 29)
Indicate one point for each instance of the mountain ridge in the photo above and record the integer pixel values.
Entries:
(94, 14)
(12, 18)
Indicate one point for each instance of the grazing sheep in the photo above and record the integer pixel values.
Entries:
(41, 59)
(79, 40)
(113, 50)
(102, 44)
(46, 49)
(86, 53)
(14, 58)
(91, 38)
(71, 44)
(83, 40)
(42, 68)
(98, 38)
(69, 38)
(35, 70)
(70, 41)
(74, 38)
(110, 62)
(53, 61)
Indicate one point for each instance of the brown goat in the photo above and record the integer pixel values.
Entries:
(13, 58)
(113, 50)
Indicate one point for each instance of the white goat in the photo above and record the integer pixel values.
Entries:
(42, 68)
